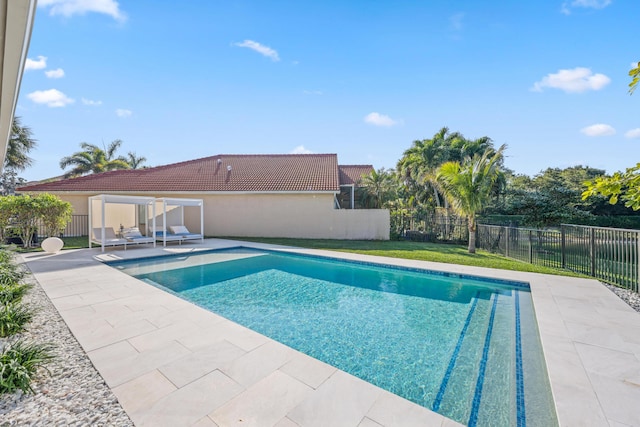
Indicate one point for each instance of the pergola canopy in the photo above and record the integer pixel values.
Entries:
(98, 204)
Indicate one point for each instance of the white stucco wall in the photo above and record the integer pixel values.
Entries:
(295, 215)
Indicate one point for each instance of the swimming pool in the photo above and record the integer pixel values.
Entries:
(465, 347)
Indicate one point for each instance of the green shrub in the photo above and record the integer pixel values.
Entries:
(13, 319)
(12, 293)
(11, 274)
(19, 362)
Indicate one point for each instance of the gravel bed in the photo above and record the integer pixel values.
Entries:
(630, 297)
(74, 394)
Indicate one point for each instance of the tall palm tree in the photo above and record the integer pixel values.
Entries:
(133, 160)
(94, 159)
(468, 185)
(20, 143)
(377, 187)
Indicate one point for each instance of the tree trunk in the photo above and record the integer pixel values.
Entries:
(472, 234)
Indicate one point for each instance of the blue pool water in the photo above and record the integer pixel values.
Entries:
(465, 347)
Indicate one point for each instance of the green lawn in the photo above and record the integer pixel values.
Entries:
(69, 243)
(437, 252)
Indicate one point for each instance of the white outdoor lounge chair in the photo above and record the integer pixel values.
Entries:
(134, 236)
(163, 237)
(181, 230)
(110, 238)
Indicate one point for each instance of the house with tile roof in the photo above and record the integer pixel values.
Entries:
(266, 195)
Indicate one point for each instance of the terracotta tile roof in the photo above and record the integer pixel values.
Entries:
(351, 174)
(252, 173)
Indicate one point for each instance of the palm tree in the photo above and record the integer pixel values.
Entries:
(377, 187)
(20, 143)
(468, 185)
(134, 161)
(94, 159)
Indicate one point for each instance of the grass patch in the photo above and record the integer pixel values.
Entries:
(76, 242)
(435, 252)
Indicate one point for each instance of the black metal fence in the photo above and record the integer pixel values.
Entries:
(609, 254)
(79, 226)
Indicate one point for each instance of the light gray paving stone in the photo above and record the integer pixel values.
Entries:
(258, 363)
(619, 365)
(191, 403)
(104, 334)
(205, 422)
(201, 362)
(390, 410)
(143, 392)
(286, 422)
(191, 313)
(263, 404)
(308, 370)
(158, 337)
(619, 399)
(341, 401)
(368, 422)
(599, 336)
(120, 362)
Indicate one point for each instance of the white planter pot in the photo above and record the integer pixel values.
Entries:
(52, 244)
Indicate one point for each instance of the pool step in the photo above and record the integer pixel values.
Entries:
(467, 393)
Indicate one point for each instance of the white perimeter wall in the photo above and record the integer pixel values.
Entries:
(274, 215)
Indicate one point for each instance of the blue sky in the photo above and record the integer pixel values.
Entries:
(363, 79)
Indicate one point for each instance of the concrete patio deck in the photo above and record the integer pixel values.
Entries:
(172, 363)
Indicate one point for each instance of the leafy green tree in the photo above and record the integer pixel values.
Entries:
(468, 185)
(420, 162)
(620, 186)
(22, 211)
(377, 188)
(54, 214)
(94, 159)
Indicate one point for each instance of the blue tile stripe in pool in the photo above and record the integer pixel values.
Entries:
(454, 356)
(520, 406)
(477, 397)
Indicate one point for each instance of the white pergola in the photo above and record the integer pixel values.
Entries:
(105, 199)
(181, 203)
(16, 23)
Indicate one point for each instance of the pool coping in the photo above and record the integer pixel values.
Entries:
(163, 356)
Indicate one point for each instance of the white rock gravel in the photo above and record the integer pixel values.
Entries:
(630, 297)
(74, 394)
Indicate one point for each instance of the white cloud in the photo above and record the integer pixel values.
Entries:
(588, 4)
(301, 150)
(577, 80)
(39, 64)
(312, 92)
(55, 74)
(51, 98)
(599, 129)
(121, 112)
(456, 21)
(633, 133)
(261, 49)
(86, 101)
(378, 119)
(69, 8)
